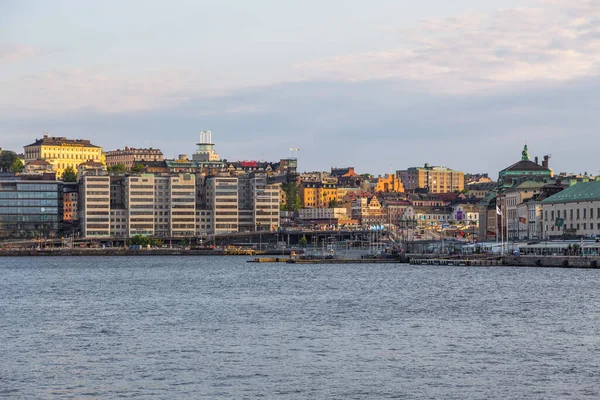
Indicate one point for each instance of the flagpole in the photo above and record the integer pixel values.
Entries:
(497, 239)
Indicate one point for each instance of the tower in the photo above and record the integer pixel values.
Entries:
(205, 150)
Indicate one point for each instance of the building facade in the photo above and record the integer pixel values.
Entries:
(433, 179)
(573, 212)
(94, 206)
(130, 155)
(61, 152)
(30, 208)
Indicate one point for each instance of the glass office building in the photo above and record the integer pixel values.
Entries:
(30, 208)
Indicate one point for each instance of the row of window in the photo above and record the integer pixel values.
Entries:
(573, 214)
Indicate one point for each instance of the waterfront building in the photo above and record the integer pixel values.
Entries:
(139, 201)
(94, 206)
(511, 198)
(221, 197)
(130, 155)
(488, 218)
(61, 152)
(175, 205)
(574, 211)
(70, 200)
(204, 222)
(30, 207)
(433, 179)
(258, 203)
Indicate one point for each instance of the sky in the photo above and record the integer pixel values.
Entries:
(380, 85)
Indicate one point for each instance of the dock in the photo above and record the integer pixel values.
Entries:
(456, 262)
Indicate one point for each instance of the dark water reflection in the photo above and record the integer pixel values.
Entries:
(221, 328)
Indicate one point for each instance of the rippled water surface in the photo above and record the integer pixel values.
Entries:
(204, 327)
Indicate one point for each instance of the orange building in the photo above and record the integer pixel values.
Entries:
(317, 194)
(388, 184)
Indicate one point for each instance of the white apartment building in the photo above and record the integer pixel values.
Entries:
(94, 206)
(118, 223)
(222, 200)
(258, 203)
(535, 226)
(139, 201)
(511, 199)
(204, 222)
(182, 202)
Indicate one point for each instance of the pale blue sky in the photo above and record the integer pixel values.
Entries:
(381, 85)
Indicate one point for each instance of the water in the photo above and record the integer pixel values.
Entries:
(187, 327)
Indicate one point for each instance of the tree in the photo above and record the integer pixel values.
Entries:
(7, 158)
(333, 203)
(69, 175)
(17, 166)
(137, 168)
(303, 242)
(117, 168)
(293, 202)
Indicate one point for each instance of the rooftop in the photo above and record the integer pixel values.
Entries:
(584, 191)
(59, 141)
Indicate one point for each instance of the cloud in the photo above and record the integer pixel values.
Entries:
(375, 125)
(551, 41)
(13, 53)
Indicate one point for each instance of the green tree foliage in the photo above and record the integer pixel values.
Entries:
(117, 168)
(17, 166)
(137, 168)
(144, 241)
(7, 158)
(303, 242)
(292, 195)
(333, 204)
(69, 175)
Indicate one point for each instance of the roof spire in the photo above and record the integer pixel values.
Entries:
(525, 154)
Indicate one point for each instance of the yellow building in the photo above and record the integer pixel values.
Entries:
(61, 152)
(434, 179)
(388, 184)
(317, 194)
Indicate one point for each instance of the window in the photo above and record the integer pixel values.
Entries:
(552, 215)
(578, 215)
(571, 216)
(591, 213)
(584, 214)
(584, 226)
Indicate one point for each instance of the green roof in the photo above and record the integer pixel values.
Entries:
(584, 191)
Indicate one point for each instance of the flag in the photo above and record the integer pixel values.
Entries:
(522, 220)
(498, 210)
